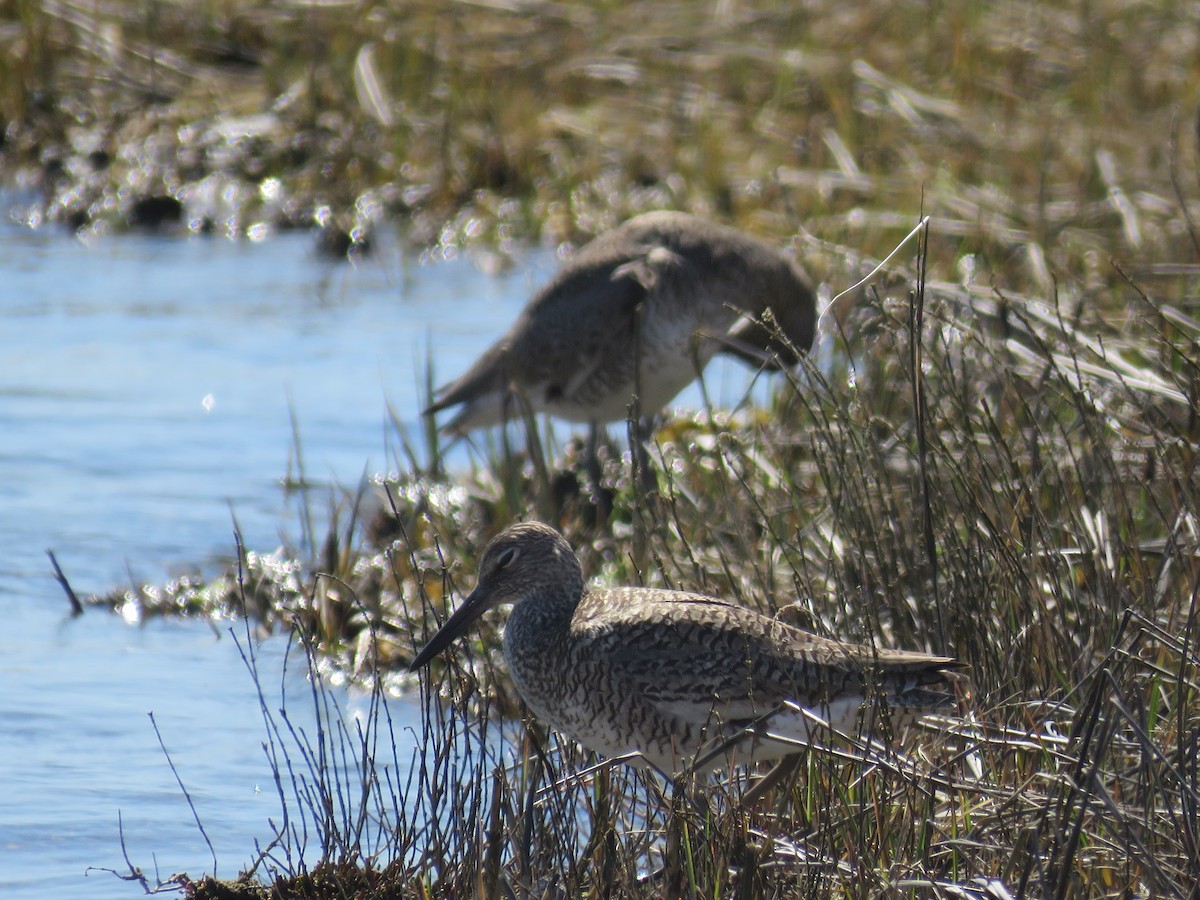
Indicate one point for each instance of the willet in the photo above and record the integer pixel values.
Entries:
(671, 676)
(638, 311)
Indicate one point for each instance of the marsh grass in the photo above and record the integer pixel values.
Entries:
(1042, 138)
(993, 456)
(1008, 479)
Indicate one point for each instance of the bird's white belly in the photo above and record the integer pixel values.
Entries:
(694, 730)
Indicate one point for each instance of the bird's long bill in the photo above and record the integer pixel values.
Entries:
(472, 608)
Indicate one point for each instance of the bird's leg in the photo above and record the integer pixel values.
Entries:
(686, 798)
(595, 475)
(684, 788)
(591, 463)
(698, 365)
(780, 772)
(639, 430)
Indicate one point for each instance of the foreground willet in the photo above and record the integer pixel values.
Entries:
(639, 310)
(673, 676)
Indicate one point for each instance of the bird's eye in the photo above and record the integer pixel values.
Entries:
(507, 558)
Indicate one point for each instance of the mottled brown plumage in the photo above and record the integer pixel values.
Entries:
(645, 305)
(670, 674)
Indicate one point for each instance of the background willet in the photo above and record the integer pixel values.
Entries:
(671, 675)
(639, 310)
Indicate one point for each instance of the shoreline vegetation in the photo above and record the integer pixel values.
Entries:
(995, 459)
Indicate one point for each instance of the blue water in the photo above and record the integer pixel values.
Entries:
(147, 387)
(80, 761)
(146, 383)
